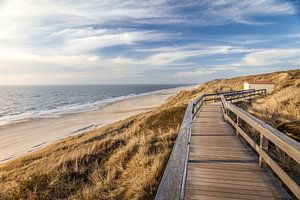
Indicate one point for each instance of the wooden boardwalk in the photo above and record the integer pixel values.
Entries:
(222, 166)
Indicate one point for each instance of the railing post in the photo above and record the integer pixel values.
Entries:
(227, 113)
(237, 123)
(264, 143)
(193, 109)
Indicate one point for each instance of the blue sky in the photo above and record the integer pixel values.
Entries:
(158, 41)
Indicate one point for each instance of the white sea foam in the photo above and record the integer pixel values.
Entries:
(67, 109)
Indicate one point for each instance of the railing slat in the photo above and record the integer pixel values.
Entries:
(267, 133)
(242, 132)
(288, 181)
(284, 142)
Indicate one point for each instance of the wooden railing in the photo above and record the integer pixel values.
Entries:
(243, 95)
(267, 133)
(230, 95)
(172, 185)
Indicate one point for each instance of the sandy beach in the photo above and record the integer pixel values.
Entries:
(24, 137)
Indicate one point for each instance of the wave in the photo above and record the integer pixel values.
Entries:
(68, 109)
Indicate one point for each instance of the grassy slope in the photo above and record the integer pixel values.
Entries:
(280, 109)
(125, 160)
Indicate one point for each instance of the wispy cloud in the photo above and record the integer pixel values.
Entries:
(243, 11)
(265, 58)
(97, 38)
(268, 58)
(196, 73)
(202, 71)
(272, 57)
(77, 42)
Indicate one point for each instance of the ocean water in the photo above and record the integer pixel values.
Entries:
(24, 102)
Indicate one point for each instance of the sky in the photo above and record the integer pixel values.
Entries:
(145, 42)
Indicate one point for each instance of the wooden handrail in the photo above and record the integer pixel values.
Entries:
(171, 183)
(229, 95)
(267, 133)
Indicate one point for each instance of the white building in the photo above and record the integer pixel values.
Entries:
(269, 86)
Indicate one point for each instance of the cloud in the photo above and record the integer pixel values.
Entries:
(30, 18)
(200, 72)
(195, 73)
(243, 11)
(271, 57)
(180, 55)
(77, 42)
(125, 39)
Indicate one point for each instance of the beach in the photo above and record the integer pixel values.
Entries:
(23, 137)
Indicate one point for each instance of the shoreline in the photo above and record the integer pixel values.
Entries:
(80, 108)
(17, 139)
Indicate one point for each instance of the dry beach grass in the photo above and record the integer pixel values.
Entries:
(125, 160)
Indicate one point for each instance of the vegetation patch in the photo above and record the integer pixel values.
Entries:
(124, 160)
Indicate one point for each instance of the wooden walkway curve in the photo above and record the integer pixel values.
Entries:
(222, 166)
(217, 159)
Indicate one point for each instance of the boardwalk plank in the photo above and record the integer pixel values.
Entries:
(221, 166)
(196, 194)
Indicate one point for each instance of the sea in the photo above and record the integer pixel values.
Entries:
(19, 103)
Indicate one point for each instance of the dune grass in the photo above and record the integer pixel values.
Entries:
(280, 110)
(126, 159)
